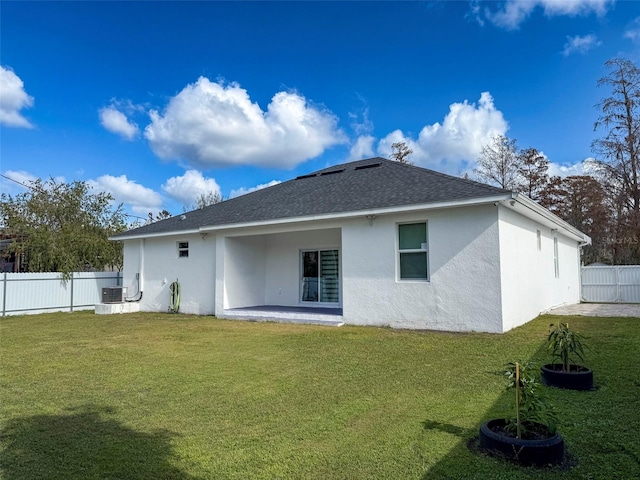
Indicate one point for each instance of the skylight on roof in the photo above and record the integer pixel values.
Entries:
(364, 167)
(332, 172)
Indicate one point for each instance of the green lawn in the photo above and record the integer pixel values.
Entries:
(158, 396)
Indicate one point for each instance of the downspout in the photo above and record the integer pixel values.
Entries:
(139, 275)
(580, 245)
(141, 283)
(498, 206)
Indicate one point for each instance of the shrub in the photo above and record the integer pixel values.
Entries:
(530, 406)
(565, 345)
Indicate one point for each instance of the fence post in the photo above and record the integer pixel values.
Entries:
(71, 305)
(4, 293)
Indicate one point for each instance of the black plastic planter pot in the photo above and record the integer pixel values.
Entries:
(547, 451)
(577, 378)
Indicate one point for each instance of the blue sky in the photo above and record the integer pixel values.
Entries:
(157, 102)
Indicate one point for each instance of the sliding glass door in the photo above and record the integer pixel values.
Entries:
(320, 276)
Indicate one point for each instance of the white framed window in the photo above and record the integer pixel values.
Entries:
(556, 262)
(320, 276)
(413, 251)
(183, 249)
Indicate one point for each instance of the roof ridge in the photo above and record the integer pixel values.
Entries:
(454, 177)
(347, 164)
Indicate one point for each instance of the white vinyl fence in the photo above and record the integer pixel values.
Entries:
(23, 293)
(611, 284)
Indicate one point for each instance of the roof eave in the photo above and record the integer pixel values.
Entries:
(530, 209)
(361, 213)
(324, 217)
(154, 235)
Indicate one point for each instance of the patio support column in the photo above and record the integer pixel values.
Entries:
(219, 292)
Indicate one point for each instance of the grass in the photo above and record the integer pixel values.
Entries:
(158, 396)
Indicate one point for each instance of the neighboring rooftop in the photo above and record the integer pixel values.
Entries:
(350, 187)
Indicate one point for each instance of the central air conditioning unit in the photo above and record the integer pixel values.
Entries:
(113, 294)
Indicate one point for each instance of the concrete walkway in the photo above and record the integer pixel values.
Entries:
(599, 310)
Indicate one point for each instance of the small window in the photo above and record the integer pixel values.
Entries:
(539, 237)
(183, 249)
(412, 251)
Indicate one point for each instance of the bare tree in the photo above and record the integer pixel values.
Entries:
(204, 200)
(552, 193)
(533, 168)
(581, 201)
(619, 152)
(499, 163)
(620, 149)
(211, 198)
(161, 215)
(400, 152)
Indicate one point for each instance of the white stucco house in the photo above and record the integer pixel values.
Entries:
(371, 242)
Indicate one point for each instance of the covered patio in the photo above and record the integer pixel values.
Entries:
(328, 316)
(290, 274)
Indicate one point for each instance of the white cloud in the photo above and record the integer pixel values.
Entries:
(580, 44)
(362, 148)
(458, 140)
(364, 126)
(384, 145)
(21, 180)
(587, 167)
(188, 187)
(142, 200)
(212, 124)
(512, 13)
(633, 32)
(13, 98)
(476, 12)
(116, 122)
(21, 176)
(244, 191)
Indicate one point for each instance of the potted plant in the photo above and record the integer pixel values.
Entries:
(566, 347)
(529, 437)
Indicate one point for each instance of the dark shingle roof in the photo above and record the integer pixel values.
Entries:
(362, 185)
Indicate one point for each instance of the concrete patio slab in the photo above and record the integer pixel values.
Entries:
(599, 310)
(277, 313)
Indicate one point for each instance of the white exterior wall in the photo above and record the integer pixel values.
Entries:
(157, 262)
(132, 253)
(529, 284)
(486, 273)
(244, 271)
(463, 293)
(264, 268)
(283, 268)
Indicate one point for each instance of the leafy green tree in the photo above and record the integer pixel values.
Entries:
(63, 227)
